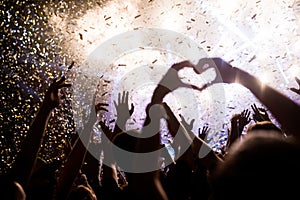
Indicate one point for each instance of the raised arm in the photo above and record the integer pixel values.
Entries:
(198, 149)
(147, 185)
(285, 110)
(75, 159)
(26, 159)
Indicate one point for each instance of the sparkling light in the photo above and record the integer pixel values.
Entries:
(39, 41)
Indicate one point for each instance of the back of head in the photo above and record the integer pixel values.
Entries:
(82, 193)
(264, 125)
(263, 166)
(11, 190)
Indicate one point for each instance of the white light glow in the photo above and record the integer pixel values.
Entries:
(254, 35)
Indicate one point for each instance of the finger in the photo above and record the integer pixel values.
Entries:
(297, 80)
(123, 97)
(53, 84)
(132, 109)
(64, 85)
(61, 80)
(206, 129)
(243, 113)
(101, 123)
(116, 105)
(103, 126)
(262, 110)
(126, 97)
(203, 64)
(119, 98)
(252, 108)
(202, 88)
(182, 119)
(102, 104)
(248, 114)
(295, 90)
(255, 109)
(192, 123)
(182, 64)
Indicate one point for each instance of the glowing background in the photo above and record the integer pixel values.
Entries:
(40, 40)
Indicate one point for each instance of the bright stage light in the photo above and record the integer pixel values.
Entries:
(257, 36)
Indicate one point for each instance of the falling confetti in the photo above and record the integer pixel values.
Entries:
(39, 41)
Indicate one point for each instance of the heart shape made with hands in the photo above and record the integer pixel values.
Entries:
(225, 73)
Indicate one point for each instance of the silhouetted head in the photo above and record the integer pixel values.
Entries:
(43, 179)
(265, 126)
(262, 166)
(82, 193)
(11, 190)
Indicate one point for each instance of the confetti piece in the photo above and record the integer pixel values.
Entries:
(72, 64)
(252, 58)
(107, 18)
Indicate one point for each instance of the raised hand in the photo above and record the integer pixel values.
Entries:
(297, 91)
(123, 111)
(52, 96)
(122, 106)
(260, 114)
(238, 122)
(244, 119)
(225, 72)
(187, 126)
(203, 133)
(282, 107)
(26, 158)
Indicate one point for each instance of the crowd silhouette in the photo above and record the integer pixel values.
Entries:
(260, 163)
